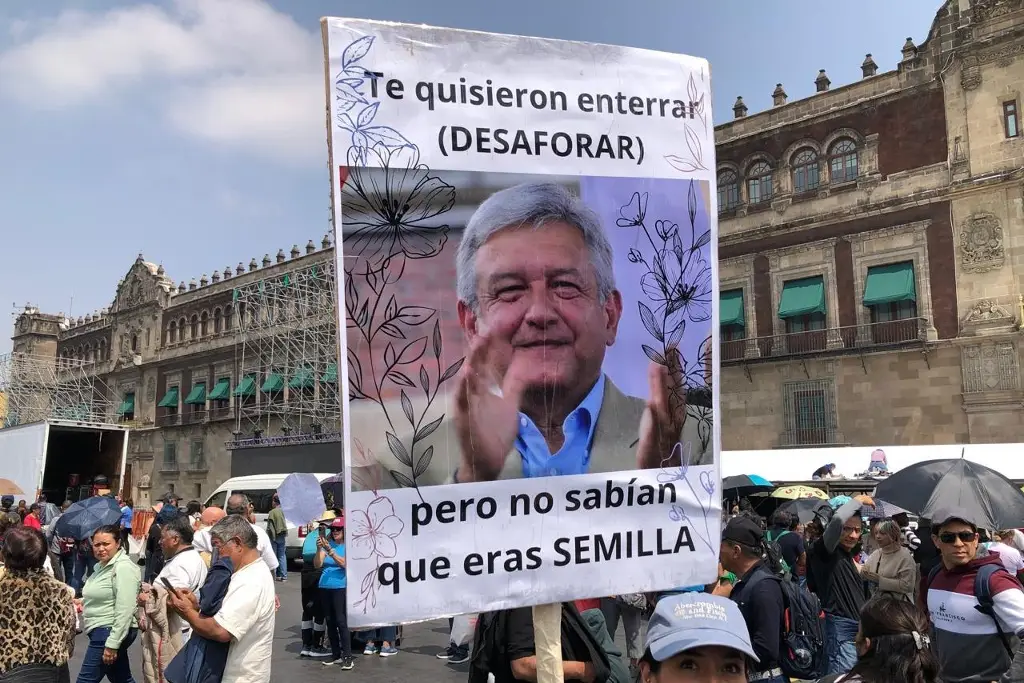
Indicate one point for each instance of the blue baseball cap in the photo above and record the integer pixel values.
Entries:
(691, 620)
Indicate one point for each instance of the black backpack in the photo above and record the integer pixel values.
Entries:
(983, 594)
(803, 629)
(490, 654)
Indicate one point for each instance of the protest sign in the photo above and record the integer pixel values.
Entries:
(526, 237)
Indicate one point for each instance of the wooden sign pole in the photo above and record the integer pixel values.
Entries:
(547, 636)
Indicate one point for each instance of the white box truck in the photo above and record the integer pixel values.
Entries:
(64, 459)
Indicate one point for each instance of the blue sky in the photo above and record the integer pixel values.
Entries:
(193, 131)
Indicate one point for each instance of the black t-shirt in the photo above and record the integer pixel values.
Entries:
(791, 544)
(836, 581)
(519, 642)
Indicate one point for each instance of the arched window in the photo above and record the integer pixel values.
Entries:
(81, 352)
(216, 321)
(172, 332)
(103, 350)
(204, 324)
(181, 329)
(728, 190)
(88, 353)
(194, 326)
(135, 343)
(759, 182)
(227, 318)
(843, 161)
(806, 171)
(241, 314)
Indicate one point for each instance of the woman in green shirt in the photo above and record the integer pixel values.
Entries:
(108, 610)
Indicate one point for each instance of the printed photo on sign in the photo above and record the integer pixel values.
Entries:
(529, 312)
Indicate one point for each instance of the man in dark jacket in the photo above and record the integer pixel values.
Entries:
(757, 593)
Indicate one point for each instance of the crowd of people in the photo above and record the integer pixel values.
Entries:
(845, 597)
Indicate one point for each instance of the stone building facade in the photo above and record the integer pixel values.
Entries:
(162, 351)
(872, 249)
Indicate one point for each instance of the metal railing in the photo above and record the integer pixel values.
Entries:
(911, 331)
(169, 420)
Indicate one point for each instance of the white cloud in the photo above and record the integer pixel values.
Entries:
(235, 72)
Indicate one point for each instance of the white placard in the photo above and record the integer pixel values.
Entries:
(426, 126)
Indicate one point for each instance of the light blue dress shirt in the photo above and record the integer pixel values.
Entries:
(574, 455)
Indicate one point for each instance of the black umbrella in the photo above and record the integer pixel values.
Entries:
(334, 491)
(806, 509)
(86, 516)
(992, 499)
(745, 484)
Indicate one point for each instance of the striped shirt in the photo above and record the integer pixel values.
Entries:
(967, 642)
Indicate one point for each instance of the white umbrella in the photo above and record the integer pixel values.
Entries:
(302, 501)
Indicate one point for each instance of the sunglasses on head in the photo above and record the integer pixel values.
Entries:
(950, 537)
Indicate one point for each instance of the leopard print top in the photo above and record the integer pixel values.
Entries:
(37, 620)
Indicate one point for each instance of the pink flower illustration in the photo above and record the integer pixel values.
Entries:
(375, 529)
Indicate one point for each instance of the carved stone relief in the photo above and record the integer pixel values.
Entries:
(981, 244)
(986, 317)
(970, 73)
(151, 390)
(990, 367)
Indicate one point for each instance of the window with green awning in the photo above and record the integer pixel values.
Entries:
(331, 376)
(127, 406)
(730, 308)
(198, 394)
(805, 296)
(274, 382)
(170, 399)
(889, 284)
(221, 390)
(302, 379)
(247, 387)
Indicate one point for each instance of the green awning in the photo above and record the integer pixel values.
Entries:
(221, 390)
(127, 406)
(170, 399)
(805, 296)
(730, 307)
(891, 283)
(274, 383)
(247, 387)
(197, 396)
(331, 376)
(302, 379)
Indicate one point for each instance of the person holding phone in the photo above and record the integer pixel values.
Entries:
(314, 623)
(330, 556)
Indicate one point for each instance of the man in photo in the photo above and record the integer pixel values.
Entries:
(538, 304)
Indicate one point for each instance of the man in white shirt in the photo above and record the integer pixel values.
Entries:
(201, 540)
(183, 567)
(238, 504)
(246, 616)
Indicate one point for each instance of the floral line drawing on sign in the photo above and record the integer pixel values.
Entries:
(375, 528)
(349, 95)
(676, 280)
(707, 484)
(695, 160)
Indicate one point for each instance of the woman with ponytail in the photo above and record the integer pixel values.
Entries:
(892, 646)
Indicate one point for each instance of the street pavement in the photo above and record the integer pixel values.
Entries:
(416, 659)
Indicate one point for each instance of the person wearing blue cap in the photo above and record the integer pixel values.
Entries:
(697, 638)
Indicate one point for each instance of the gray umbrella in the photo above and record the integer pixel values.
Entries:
(992, 499)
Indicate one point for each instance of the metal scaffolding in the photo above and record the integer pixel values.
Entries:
(49, 388)
(287, 357)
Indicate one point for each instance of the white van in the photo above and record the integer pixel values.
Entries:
(260, 490)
